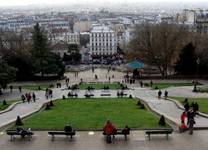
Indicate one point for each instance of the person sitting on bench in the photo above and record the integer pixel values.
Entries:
(67, 128)
(108, 130)
(22, 131)
(126, 130)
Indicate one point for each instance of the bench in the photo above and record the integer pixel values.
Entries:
(12, 133)
(167, 132)
(72, 95)
(119, 132)
(53, 133)
(88, 95)
(105, 94)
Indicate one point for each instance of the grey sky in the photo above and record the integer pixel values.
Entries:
(27, 2)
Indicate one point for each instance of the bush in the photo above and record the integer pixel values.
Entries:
(185, 100)
(142, 106)
(48, 107)
(156, 88)
(4, 102)
(18, 121)
(63, 97)
(162, 121)
(138, 103)
(51, 103)
(146, 84)
(130, 96)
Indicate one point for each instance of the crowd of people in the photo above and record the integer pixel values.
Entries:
(187, 117)
(29, 97)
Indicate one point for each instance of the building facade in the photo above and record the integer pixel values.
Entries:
(103, 41)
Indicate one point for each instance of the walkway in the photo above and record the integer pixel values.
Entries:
(165, 107)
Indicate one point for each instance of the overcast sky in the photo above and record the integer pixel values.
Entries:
(27, 2)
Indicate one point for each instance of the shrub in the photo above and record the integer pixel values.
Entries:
(47, 107)
(142, 106)
(146, 84)
(162, 121)
(156, 88)
(185, 100)
(18, 121)
(63, 97)
(51, 103)
(138, 103)
(130, 96)
(4, 102)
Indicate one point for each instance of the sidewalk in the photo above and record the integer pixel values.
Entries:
(166, 108)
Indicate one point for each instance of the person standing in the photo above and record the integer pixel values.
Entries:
(166, 94)
(159, 94)
(20, 89)
(34, 97)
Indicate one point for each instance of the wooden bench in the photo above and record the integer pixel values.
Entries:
(12, 133)
(88, 95)
(53, 133)
(167, 132)
(105, 94)
(119, 132)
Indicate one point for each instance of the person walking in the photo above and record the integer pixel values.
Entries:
(166, 94)
(34, 97)
(159, 94)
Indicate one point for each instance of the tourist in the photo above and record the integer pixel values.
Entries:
(182, 127)
(166, 94)
(11, 88)
(33, 96)
(67, 128)
(195, 108)
(190, 115)
(108, 130)
(186, 107)
(20, 89)
(191, 125)
(141, 84)
(23, 98)
(183, 117)
(151, 83)
(159, 93)
(126, 130)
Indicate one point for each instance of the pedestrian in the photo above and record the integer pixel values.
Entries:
(190, 115)
(141, 84)
(23, 98)
(191, 125)
(166, 94)
(151, 83)
(20, 89)
(159, 94)
(186, 107)
(109, 79)
(11, 88)
(34, 97)
(183, 117)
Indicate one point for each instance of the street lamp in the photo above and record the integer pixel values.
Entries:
(197, 72)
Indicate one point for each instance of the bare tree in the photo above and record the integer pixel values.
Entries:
(159, 44)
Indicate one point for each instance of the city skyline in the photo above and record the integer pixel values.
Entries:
(38, 2)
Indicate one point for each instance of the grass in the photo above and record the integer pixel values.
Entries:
(3, 107)
(92, 114)
(34, 87)
(202, 89)
(202, 102)
(166, 85)
(99, 86)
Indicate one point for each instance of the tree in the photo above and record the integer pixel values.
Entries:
(186, 63)
(7, 73)
(159, 44)
(43, 60)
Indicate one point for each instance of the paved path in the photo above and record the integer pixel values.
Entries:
(83, 141)
(165, 107)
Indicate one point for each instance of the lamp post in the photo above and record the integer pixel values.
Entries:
(197, 72)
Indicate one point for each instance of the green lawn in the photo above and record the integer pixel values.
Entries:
(92, 114)
(99, 86)
(34, 87)
(3, 107)
(202, 102)
(166, 85)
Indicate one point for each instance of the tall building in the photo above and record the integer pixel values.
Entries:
(103, 41)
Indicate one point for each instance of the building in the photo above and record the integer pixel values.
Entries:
(103, 42)
(72, 38)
